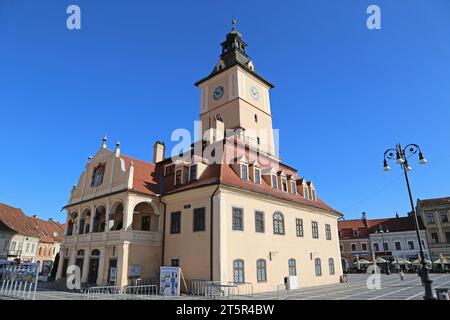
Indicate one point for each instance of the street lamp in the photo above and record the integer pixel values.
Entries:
(381, 230)
(401, 156)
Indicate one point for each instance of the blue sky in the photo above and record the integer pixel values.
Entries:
(343, 93)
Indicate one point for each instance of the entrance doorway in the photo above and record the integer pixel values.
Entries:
(93, 266)
(112, 272)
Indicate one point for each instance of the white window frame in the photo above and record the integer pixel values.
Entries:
(306, 192)
(313, 195)
(196, 172)
(378, 244)
(175, 176)
(242, 166)
(283, 178)
(272, 179)
(367, 247)
(395, 245)
(293, 186)
(254, 175)
(351, 247)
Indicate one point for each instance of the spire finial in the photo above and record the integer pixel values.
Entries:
(105, 138)
(233, 23)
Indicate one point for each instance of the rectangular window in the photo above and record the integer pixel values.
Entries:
(178, 177)
(386, 246)
(364, 246)
(20, 246)
(175, 222)
(353, 245)
(328, 231)
(238, 219)
(411, 245)
(434, 238)
(444, 217)
(305, 193)
(259, 221)
(145, 223)
(13, 246)
(315, 230)
(274, 182)
(33, 247)
(27, 248)
(341, 247)
(430, 217)
(376, 247)
(193, 173)
(284, 184)
(261, 274)
(398, 245)
(313, 195)
(257, 175)
(293, 187)
(5, 246)
(175, 262)
(170, 170)
(299, 227)
(244, 172)
(447, 236)
(81, 227)
(199, 219)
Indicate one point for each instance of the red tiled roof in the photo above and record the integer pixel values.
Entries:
(145, 179)
(346, 227)
(46, 229)
(147, 176)
(16, 220)
(435, 201)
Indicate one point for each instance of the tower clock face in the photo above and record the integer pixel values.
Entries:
(254, 93)
(218, 93)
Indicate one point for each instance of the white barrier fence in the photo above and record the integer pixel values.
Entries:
(228, 290)
(19, 281)
(144, 292)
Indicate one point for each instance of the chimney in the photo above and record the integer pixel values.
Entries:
(34, 216)
(159, 149)
(50, 219)
(363, 217)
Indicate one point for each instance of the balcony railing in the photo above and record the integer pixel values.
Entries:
(130, 235)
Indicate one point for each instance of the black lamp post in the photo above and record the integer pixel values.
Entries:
(382, 231)
(401, 156)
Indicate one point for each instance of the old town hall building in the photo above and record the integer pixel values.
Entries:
(228, 210)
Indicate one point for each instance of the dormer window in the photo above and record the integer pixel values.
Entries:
(293, 187)
(178, 176)
(244, 171)
(170, 169)
(257, 175)
(193, 173)
(313, 195)
(305, 193)
(274, 182)
(284, 184)
(355, 233)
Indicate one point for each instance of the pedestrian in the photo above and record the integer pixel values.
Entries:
(402, 276)
(420, 273)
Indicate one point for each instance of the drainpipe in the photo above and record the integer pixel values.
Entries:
(163, 231)
(211, 234)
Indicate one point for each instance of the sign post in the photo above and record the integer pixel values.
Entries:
(169, 281)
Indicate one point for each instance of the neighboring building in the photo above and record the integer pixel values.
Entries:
(227, 210)
(363, 238)
(436, 215)
(354, 241)
(399, 239)
(18, 239)
(50, 237)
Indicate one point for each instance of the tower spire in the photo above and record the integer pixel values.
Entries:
(233, 23)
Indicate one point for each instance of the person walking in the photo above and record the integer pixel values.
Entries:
(402, 276)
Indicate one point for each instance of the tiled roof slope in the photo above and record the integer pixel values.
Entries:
(16, 220)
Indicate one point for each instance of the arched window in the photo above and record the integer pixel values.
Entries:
(318, 267)
(292, 267)
(95, 252)
(261, 273)
(331, 265)
(278, 223)
(80, 253)
(238, 271)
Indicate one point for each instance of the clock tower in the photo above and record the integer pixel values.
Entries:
(238, 95)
